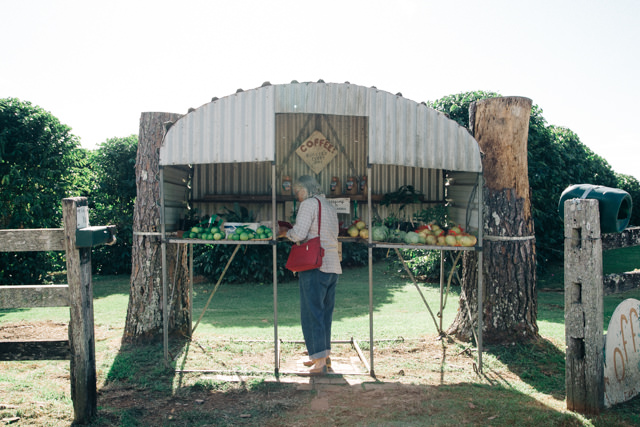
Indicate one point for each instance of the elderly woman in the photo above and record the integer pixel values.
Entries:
(317, 287)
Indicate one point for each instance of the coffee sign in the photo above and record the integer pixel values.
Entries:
(622, 354)
(316, 151)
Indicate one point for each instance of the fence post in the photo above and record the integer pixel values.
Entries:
(583, 306)
(75, 214)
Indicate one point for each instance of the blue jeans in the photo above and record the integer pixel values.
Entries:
(317, 299)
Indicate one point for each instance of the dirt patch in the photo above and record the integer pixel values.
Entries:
(404, 371)
(413, 380)
(42, 330)
(32, 331)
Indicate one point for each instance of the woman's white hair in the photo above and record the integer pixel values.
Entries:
(308, 183)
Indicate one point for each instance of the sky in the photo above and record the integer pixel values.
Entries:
(97, 65)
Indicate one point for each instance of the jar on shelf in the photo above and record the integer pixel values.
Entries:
(351, 186)
(336, 188)
(363, 185)
(286, 185)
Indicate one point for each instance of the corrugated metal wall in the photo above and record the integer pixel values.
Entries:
(236, 128)
(241, 127)
(176, 194)
(324, 98)
(233, 141)
(462, 194)
(402, 131)
(347, 133)
(231, 179)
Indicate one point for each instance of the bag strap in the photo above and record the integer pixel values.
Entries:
(319, 214)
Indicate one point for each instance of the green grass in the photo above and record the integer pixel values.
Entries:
(110, 299)
(247, 310)
(517, 377)
(620, 260)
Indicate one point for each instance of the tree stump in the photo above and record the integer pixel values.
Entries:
(500, 125)
(144, 313)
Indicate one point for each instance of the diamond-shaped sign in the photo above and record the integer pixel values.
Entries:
(316, 151)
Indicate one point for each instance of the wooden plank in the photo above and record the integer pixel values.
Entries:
(584, 319)
(25, 296)
(32, 240)
(621, 282)
(628, 238)
(35, 350)
(265, 198)
(81, 331)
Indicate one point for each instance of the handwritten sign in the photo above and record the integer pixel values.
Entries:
(316, 151)
(342, 205)
(622, 354)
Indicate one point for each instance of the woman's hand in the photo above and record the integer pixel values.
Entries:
(282, 232)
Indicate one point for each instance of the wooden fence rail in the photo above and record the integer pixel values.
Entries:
(77, 295)
(27, 296)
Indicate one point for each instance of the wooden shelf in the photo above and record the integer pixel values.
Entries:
(246, 198)
(265, 198)
(218, 242)
(358, 197)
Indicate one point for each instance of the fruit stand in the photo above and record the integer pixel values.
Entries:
(360, 143)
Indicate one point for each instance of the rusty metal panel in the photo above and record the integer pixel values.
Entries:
(348, 134)
(231, 178)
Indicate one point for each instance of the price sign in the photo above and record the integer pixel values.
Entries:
(342, 205)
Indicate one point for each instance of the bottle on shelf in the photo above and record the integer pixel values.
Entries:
(363, 185)
(286, 185)
(351, 186)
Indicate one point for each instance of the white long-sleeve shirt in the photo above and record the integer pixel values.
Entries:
(306, 227)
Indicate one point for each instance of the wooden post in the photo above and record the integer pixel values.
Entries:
(583, 307)
(81, 332)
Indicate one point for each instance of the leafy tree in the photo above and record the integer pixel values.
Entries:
(112, 200)
(40, 164)
(631, 186)
(557, 159)
(456, 107)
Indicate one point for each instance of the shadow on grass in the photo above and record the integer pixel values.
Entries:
(539, 363)
(253, 305)
(522, 385)
(140, 390)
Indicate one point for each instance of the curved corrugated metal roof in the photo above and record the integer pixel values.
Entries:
(241, 127)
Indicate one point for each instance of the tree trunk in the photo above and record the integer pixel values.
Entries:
(144, 314)
(500, 125)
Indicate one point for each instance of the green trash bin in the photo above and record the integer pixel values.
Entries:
(614, 204)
